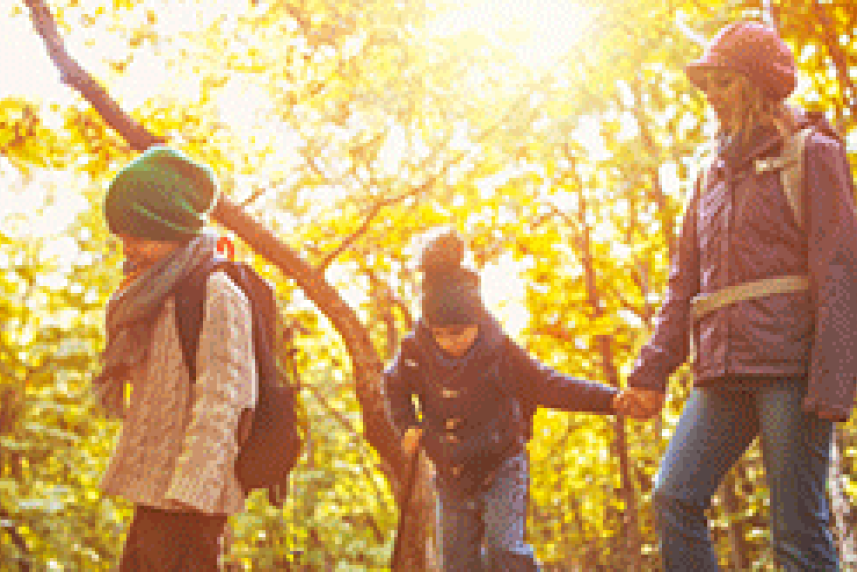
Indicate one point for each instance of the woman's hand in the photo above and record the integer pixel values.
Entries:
(638, 403)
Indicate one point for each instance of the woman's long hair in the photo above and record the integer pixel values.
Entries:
(751, 109)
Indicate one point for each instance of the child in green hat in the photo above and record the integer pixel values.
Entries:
(179, 440)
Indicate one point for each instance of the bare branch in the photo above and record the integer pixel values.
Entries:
(689, 32)
(73, 75)
(349, 427)
(17, 539)
(511, 112)
(839, 57)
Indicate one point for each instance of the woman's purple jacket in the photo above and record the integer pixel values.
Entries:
(741, 228)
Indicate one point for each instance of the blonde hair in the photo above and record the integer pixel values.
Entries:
(751, 108)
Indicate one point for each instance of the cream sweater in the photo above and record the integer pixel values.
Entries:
(178, 444)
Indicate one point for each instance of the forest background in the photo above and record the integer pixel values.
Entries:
(559, 136)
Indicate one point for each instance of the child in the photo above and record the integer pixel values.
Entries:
(477, 390)
(174, 459)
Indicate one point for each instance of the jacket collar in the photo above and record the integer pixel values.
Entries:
(488, 343)
(736, 154)
(762, 142)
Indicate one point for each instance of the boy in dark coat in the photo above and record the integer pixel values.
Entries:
(477, 391)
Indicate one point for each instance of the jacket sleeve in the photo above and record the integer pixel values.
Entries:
(399, 392)
(546, 387)
(832, 255)
(669, 346)
(226, 384)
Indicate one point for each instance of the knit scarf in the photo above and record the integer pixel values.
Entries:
(131, 315)
(484, 351)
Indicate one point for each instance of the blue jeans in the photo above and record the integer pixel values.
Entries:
(484, 532)
(715, 429)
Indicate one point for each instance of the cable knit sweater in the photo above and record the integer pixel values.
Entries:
(179, 443)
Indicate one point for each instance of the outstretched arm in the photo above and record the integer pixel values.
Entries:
(669, 346)
(550, 388)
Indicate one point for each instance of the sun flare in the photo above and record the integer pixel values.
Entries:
(544, 31)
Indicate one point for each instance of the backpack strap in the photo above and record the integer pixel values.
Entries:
(790, 165)
(189, 297)
(705, 173)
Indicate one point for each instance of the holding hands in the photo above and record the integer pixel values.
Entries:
(638, 403)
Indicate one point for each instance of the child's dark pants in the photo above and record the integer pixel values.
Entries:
(168, 541)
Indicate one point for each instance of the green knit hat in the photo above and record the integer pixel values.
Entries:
(161, 195)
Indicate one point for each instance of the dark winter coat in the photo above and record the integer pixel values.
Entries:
(478, 413)
(741, 228)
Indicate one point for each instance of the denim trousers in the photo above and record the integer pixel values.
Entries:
(715, 429)
(484, 532)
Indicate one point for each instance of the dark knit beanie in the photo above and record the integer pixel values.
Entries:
(161, 195)
(450, 292)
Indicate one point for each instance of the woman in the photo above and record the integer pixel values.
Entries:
(477, 391)
(779, 365)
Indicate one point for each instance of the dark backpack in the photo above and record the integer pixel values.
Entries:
(273, 445)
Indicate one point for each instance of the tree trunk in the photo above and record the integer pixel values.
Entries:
(11, 529)
(840, 60)
(632, 557)
(365, 360)
(630, 523)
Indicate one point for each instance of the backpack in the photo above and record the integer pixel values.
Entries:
(273, 445)
(790, 164)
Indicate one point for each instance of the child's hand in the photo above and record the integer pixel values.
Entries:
(638, 403)
(411, 440)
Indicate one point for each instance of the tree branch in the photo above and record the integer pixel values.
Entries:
(340, 418)
(24, 562)
(839, 57)
(73, 75)
(689, 32)
(458, 158)
(376, 209)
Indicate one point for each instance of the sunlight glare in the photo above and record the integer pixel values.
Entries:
(550, 28)
(504, 291)
(27, 70)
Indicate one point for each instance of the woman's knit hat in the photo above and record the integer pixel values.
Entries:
(161, 195)
(751, 49)
(450, 292)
